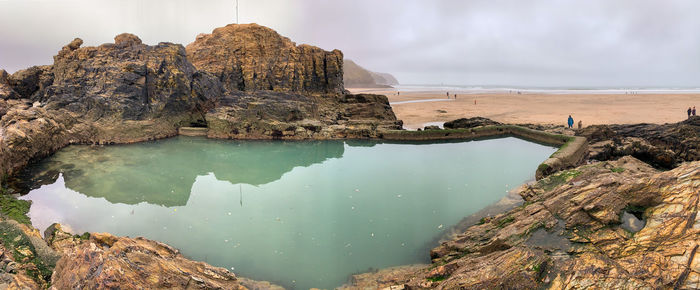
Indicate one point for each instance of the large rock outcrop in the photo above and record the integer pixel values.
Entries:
(247, 81)
(250, 57)
(275, 89)
(118, 92)
(128, 81)
(610, 225)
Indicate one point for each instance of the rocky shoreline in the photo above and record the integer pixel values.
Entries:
(248, 82)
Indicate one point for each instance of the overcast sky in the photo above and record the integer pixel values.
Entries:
(518, 43)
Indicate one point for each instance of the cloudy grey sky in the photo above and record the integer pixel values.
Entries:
(620, 43)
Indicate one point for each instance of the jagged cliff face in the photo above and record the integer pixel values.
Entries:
(250, 57)
(125, 80)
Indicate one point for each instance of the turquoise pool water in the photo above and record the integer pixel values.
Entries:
(299, 214)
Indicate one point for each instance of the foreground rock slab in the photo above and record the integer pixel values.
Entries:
(569, 234)
(109, 262)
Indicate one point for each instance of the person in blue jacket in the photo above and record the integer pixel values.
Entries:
(571, 122)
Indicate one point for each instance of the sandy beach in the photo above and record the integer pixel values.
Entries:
(418, 108)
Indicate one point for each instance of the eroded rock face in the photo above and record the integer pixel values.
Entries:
(28, 81)
(115, 93)
(250, 57)
(126, 80)
(106, 261)
(6, 90)
(28, 132)
(568, 235)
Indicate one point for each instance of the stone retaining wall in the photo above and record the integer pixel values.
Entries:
(571, 152)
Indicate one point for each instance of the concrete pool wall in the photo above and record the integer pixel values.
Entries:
(572, 149)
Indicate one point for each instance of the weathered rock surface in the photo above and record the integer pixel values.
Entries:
(568, 235)
(6, 90)
(26, 262)
(250, 57)
(106, 261)
(663, 146)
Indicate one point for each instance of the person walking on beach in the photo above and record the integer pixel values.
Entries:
(571, 122)
(448, 95)
(689, 112)
(580, 124)
(693, 110)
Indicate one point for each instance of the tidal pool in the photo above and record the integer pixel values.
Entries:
(299, 214)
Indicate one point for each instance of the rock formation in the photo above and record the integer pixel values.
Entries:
(275, 89)
(355, 76)
(569, 234)
(250, 57)
(241, 81)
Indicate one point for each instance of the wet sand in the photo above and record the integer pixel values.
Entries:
(417, 108)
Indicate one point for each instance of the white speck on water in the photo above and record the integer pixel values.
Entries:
(352, 208)
(403, 244)
(440, 226)
(357, 190)
(278, 219)
(165, 228)
(112, 216)
(349, 196)
(225, 241)
(229, 213)
(348, 245)
(232, 268)
(398, 195)
(372, 235)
